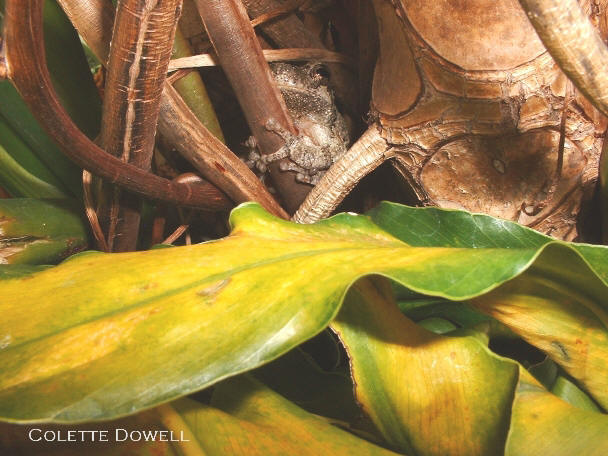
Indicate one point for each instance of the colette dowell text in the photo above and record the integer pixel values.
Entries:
(115, 435)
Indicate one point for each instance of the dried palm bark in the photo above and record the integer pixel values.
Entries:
(478, 125)
(479, 116)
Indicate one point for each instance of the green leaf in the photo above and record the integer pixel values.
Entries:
(20, 119)
(27, 160)
(105, 342)
(436, 395)
(246, 418)
(36, 231)
(193, 91)
(20, 270)
(559, 306)
(74, 85)
(69, 69)
(572, 394)
(18, 181)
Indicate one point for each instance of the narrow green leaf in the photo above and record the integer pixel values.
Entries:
(572, 394)
(39, 231)
(17, 115)
(23, 155)
(437, 325)
(192, 89)
(69, 70)
(20, 183)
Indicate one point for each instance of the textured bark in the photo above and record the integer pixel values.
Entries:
(141, 46)
(27, 70)
(478, 123)
(473, 103)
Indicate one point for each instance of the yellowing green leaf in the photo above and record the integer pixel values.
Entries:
(558, 305)
(542, 424)
(428, 394)
(34, 231)
(92, 339)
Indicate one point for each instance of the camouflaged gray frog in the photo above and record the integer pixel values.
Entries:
(323, 134)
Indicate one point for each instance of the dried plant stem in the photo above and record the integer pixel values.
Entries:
(176, 234)
(89, 208)
(142, 43)
(271, 55)
(575, 45)
(369, 152)
(242, 60)
(209, 155)
(286, 8)
(27, 69)
(176, 122)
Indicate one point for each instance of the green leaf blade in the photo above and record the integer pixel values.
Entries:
(194, 315)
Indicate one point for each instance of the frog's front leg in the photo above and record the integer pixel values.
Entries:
(303, 175)
(260, 162)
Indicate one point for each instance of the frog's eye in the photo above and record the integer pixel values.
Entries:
(318, 73)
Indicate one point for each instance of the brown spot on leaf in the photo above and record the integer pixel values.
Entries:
(214, 288)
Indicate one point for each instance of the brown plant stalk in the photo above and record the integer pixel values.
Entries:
(242, 59)
(142, 43)
(177, 123)
(26, 66)
(574, 44)
(93, 19)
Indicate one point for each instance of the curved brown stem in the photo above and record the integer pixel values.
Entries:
(217, 163)
(575, 45)
(26, 64)
(288, 31)
(369, 152)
